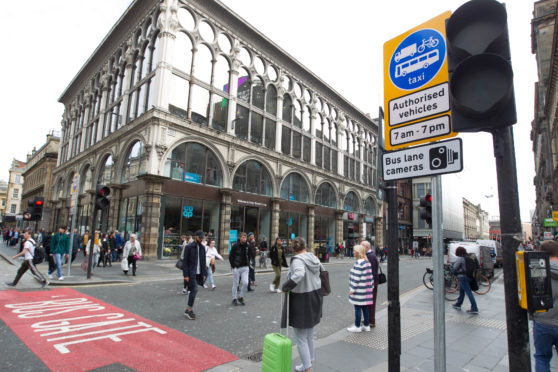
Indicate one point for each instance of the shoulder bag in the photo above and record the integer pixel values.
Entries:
(324, 278)
(381, 276)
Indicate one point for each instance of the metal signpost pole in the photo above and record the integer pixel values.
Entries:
(394, 310)
(438, 263)
(73, 212)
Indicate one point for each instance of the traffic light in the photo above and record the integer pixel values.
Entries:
(101, 197)
(37, 208)
(493, 236)
(479, 62)
(426, 209)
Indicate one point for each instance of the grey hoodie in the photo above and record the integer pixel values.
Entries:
(550, 318)
(305, 281)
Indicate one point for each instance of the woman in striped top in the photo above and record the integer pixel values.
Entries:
(361, 288)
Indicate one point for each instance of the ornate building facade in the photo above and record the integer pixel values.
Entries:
(15, 189)
(544, 133)
(475, 219)
(196, 120)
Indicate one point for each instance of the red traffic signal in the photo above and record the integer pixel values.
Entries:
(34, 212)
(426, 210)
(101, 200)
(38, 202)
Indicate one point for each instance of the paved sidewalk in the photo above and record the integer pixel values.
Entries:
(474, 343)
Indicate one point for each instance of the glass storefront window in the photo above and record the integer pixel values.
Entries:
(171, 226)
(324, 231)
(291, 225)
(193, 162)
(192, 212)
(295, 188)
(351, 203)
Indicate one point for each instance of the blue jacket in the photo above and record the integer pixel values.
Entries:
(194, 253)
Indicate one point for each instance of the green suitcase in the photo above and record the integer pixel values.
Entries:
(277, 349)
(277, 352)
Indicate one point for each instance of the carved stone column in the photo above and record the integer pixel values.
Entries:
(275, 209)
(151, 214)
(311, 214)
(339, 226)
(225, 224)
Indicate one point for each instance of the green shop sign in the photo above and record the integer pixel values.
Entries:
(549, 222)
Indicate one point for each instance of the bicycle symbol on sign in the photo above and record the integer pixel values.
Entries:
(430, 42)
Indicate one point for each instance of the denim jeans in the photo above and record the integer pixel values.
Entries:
(193, 288)
(465, 288)
(210, 275)
(304, 339)
(545, 338)
(364, 310)
(58, 261)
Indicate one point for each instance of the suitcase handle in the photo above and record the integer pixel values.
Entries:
(284, 303)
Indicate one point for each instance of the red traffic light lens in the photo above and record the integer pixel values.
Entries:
(39, 202)
(428, 198)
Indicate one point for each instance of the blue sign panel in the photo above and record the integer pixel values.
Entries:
(233, 237)
(187, 211)
(292, 196)
(192, 177)
(292, 236)
(417, 59)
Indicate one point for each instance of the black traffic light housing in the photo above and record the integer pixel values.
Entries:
(34, 211)
(482, 97)
(426, 209)
(101, 197)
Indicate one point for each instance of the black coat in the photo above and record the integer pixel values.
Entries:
(239, 256)
(194, 253)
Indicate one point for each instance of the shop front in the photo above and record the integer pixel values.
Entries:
(324, 228)
(351, 231)
(369, 232)
(293, 221)
(186, 208)
(251, 214)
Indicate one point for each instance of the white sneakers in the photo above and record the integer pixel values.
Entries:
(271, 288)
(49, 276)
(61, 278)
(355, 329)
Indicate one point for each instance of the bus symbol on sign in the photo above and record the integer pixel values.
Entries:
(417, 59)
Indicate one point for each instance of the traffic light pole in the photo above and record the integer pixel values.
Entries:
(394, 307)
(510, 223)
(439, 283)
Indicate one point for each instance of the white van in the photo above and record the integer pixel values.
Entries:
(481, 251)
(495, 251)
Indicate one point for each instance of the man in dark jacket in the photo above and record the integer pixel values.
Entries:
(76, 244)
(545, 324)
(252, 253)
(194, 269)
(59, 248)
(239, 260)
(371, 256)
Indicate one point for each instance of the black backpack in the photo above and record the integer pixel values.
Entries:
(39, 255)
(471, 265)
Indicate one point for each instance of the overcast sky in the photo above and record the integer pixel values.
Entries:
(47, 44)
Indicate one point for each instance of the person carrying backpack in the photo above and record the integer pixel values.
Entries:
(465, 273)
(28, 264)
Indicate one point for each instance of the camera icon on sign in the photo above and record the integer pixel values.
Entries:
(441, 156)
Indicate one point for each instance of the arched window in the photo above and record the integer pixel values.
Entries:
(258, 93)
(203, 63)
(369, 208)
(105, 172)
(252, 177)
(182, 59)
(221, 75)
(85, 180)
(297, 114)
(287, 108)
(134, 163)
(194, 162)
(295, 188)
(325, 196)
(271, 100)
(351, 202)
(244, 85)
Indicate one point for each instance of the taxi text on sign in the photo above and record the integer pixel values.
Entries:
(416, 89)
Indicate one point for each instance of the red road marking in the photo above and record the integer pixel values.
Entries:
(70, 331)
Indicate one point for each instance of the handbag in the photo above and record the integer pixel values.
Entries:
(179, 264)
(381, 276)
(137, 256)
(324, 278)
(84, 265)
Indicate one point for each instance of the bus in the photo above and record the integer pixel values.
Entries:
(422, 61)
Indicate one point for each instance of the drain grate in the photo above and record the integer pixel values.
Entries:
(256, 357)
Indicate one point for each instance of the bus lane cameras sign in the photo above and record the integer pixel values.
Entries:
(425, 160)
(416, 90)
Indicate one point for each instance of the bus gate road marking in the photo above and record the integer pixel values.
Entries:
(70, 331)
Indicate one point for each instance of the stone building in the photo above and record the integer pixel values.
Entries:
(15, 189)
(544, 133)
(475, 219)
(3, 198)
(38, 177)
(196, 120)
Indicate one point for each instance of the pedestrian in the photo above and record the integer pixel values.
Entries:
(96, 249)
(239, 258)
(373, 260)
(211, 255)
(59, 249)
(106, 255)
(132, 250)
(185, 241)
(304, 300)
(75, 245)
(194, 270)
(459, 268)
(85, 241)
(119, 245)
(545, 324)
(112, 247)
(278, 260)
(28, 252)
(361, 289)
(252, 251)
